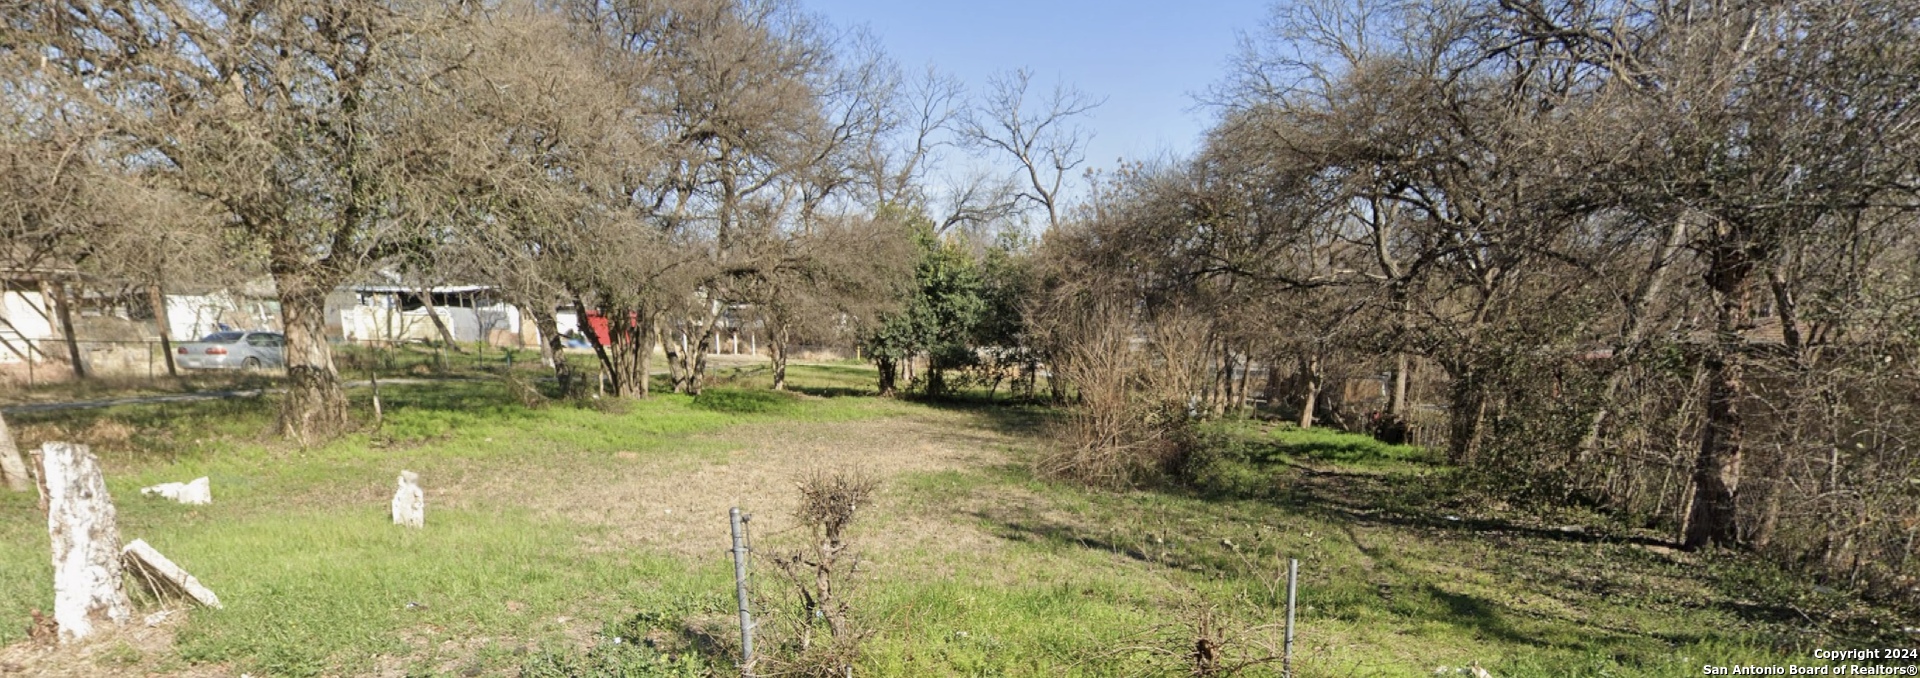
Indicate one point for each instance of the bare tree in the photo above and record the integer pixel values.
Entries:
(1039, 132)
(306, 122)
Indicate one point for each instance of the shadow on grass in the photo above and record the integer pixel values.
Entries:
(1479, 614)
(1413, 525)
(833, 391)
(1011, 418)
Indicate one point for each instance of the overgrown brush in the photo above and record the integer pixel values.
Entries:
(1129, 420)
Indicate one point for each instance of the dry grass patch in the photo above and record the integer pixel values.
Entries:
(679, 505)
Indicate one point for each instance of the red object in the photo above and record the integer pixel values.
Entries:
(597, 324)
(216, 351)
(183, 350)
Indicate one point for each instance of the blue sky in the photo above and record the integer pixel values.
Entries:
(1147, 59)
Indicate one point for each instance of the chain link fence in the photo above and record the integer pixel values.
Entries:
(34, 363)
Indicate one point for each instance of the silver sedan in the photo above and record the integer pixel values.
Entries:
(234, 350)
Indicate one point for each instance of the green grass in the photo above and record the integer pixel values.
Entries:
(316, 585)
(1106, 583)
(1403, 569)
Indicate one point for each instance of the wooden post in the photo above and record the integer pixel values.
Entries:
(87, 587)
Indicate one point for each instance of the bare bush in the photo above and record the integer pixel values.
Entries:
(1135, 386)
(818, 578)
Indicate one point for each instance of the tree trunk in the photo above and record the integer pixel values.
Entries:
(1632, 334)
(1275, 389)
(12, 469)
(446, 335)
(1716, 472)
(1769, 516)
(1309, 389)
(887, 373)
(87, 585)
(672, 351)
(593, 337)
(1397, 402)
(1246, 373)
(64, 311)
(164, 324)
(936, 379)
(553, 347)
(1712, 518)
(548, 328)
(692, 361)
(1056, 387)
(631, 352)
(1226, 379)
(315, 407)
(697, 372)
(1466, 411)
(777, 345)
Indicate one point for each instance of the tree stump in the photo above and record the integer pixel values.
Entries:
(12, 470)
(409, 503)
(87, 588)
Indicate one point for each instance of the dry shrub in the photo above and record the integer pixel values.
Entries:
(604, 404)
(1205, 641)
(524, 393)
(1134, 381)
(818, 579)
(105, 433)
(108, 433)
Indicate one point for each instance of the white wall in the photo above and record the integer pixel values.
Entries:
(28, 313)
(192, 316)
(24, 311)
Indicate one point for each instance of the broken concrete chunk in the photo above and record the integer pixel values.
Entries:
(198, 492)
(163, 577)
(87, 590)
(409, 503)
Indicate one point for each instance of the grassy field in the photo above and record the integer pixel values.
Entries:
(573, 541)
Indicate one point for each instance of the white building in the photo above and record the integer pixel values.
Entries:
(395, 313)
(192, 316)
(26, 322)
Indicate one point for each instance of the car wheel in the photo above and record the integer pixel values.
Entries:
(250, 363)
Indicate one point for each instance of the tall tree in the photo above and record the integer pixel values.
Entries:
(306, 121)
(1040, 133)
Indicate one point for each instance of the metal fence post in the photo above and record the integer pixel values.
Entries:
(1293, 584)
(740, 590)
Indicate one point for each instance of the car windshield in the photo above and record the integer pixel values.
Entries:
(222, 337)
